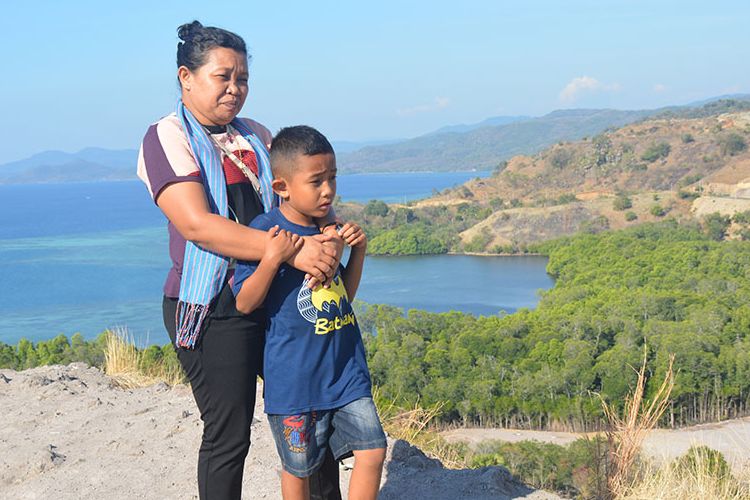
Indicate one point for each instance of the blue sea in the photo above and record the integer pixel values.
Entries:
(83, 257)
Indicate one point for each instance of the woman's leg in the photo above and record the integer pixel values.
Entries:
(324, 483)
(222, 371)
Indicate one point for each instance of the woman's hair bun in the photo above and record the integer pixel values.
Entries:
(197, 40)
(187, 31)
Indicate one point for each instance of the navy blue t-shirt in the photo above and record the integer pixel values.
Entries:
(314, 357)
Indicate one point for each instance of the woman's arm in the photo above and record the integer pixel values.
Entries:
(185, 205)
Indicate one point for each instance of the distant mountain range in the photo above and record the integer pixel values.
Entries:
(479, 146)
(486, 147)
(489, 122)
(90, 164)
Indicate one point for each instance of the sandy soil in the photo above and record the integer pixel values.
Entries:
(725, 206)
(732, 438)
(69, 433)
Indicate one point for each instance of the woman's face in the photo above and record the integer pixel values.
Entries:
(216, 91)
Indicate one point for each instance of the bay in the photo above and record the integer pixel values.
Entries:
(89, 256)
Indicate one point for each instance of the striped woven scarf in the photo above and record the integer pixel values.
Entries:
(203, 272)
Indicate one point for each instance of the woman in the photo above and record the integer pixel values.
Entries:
(208, 172)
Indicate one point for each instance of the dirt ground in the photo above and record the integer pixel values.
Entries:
(69, 433)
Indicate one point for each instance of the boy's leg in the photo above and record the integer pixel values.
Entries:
(301, 443)
(356, 428)
(368, 467)
(293, 487)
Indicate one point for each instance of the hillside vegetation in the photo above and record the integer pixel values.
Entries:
(665, 286)
(682, 164)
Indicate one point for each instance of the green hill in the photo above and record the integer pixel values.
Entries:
(484, 148)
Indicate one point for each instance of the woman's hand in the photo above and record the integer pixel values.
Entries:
(318, 257)
(280, 245)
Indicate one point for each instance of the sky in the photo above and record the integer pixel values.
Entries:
(84, 73)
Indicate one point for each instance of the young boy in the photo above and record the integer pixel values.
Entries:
(317, 385)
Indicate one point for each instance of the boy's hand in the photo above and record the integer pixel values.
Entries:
(280, 245)
(353, 235)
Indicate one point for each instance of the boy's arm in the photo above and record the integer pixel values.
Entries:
(255, 288)
(355, 237)
(353, 271)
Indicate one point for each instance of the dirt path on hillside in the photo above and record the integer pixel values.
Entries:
(732, 438)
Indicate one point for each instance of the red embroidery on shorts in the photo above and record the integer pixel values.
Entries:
(298, 435)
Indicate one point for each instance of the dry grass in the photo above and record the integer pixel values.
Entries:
(701, 479)
(123, 362)
(627, 433)
(413, 426)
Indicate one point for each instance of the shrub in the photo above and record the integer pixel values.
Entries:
(622, 202)
(687, 195)
(630, 216)
(704, 459)
(564, 199)
(496, 203)
(687, 138)
(741, 217)
(658, 211)
(689, 179)
(715, 225)
(656, 151)
(499, 168)
(732, 144)
(478, 243)
(560, 158)
(376, 208)
(575, 469)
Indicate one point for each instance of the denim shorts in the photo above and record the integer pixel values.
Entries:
(301, 440)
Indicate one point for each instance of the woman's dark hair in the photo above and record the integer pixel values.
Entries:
(197, 40)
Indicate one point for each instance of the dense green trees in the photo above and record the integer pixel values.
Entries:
(60, 350)
(668, 286)
(414, 231)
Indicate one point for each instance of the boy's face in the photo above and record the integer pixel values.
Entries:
(309, 189)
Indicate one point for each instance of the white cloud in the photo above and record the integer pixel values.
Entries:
(585, 84)
(439, 103)
(660, 87)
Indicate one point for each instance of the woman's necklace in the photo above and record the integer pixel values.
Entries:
(238, 161)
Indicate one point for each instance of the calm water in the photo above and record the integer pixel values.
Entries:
(84, 257)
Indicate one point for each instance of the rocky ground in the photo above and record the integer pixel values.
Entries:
(68, 432)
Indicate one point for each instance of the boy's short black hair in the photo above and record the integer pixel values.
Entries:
(291, 142)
